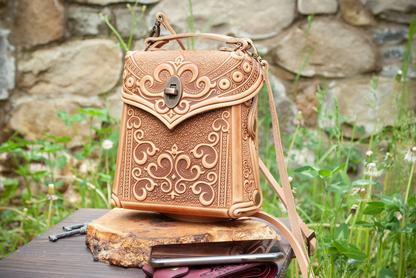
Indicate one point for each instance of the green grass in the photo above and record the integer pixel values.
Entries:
(25, 215)
(379, 239)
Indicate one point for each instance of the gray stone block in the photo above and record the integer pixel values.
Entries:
(7, 65)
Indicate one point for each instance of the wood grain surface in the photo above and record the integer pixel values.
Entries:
(125, 237)
(70, 257)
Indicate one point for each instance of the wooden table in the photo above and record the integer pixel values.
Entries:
(69, 257)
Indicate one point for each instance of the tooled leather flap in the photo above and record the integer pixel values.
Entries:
(210, 79)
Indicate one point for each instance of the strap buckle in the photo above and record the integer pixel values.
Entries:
(309, 237)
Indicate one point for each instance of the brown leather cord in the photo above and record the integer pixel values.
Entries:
(241, 43)
(306, 232)
(286, 192)
(162, 19)
(297, 246)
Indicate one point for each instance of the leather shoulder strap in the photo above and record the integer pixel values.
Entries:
(296, 245)
(307, 234)
(299, 229)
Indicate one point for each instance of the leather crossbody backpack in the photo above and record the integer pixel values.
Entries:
(189, 143)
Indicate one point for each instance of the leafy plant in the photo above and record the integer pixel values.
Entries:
(365, 222)
(126, 45)
(87, 173)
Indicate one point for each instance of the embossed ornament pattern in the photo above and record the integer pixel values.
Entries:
(210, 79)
(161, 168)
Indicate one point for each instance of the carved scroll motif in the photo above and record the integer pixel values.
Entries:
(193, 88)
(249, 140)
(140, 156)
(222, 126)
(175, 171)
(249, 185)
(206, 84)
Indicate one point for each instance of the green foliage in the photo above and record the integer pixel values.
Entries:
(87, 171)
(126, 45)
(69, 120)
(366, 225)
(192, 42)
(89, 182)
(386, 273)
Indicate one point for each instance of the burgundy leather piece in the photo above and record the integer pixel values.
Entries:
(149, 270)
(174, 272)
(252, 270)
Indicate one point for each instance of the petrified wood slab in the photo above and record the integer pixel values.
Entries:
(124, 237)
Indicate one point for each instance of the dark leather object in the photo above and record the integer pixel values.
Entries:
(251, 270)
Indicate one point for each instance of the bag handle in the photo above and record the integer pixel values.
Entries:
(157, 42)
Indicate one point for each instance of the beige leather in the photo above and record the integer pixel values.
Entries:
(162, 19)
(210, 79)
(279, 191)
(287, 191)
(286, 196)
(296, 245)
(243, 44)
(201, 157)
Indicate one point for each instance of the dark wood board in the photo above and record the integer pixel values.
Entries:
(70, 257)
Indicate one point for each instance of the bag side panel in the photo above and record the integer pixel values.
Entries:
(247, 196)
(118, 177)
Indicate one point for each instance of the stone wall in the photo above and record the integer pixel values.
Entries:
(60, 55)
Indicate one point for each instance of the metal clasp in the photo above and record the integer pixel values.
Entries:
(238, 46)
(154, 32)
(255, 53)
(173, 91)
(309, 237)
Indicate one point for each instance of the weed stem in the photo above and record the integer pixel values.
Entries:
(380, 113)
(409, 183)
(108, 184)
(49, 214)
(385, 181)
(293, 141)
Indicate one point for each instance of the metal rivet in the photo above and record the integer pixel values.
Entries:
(257, 198)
